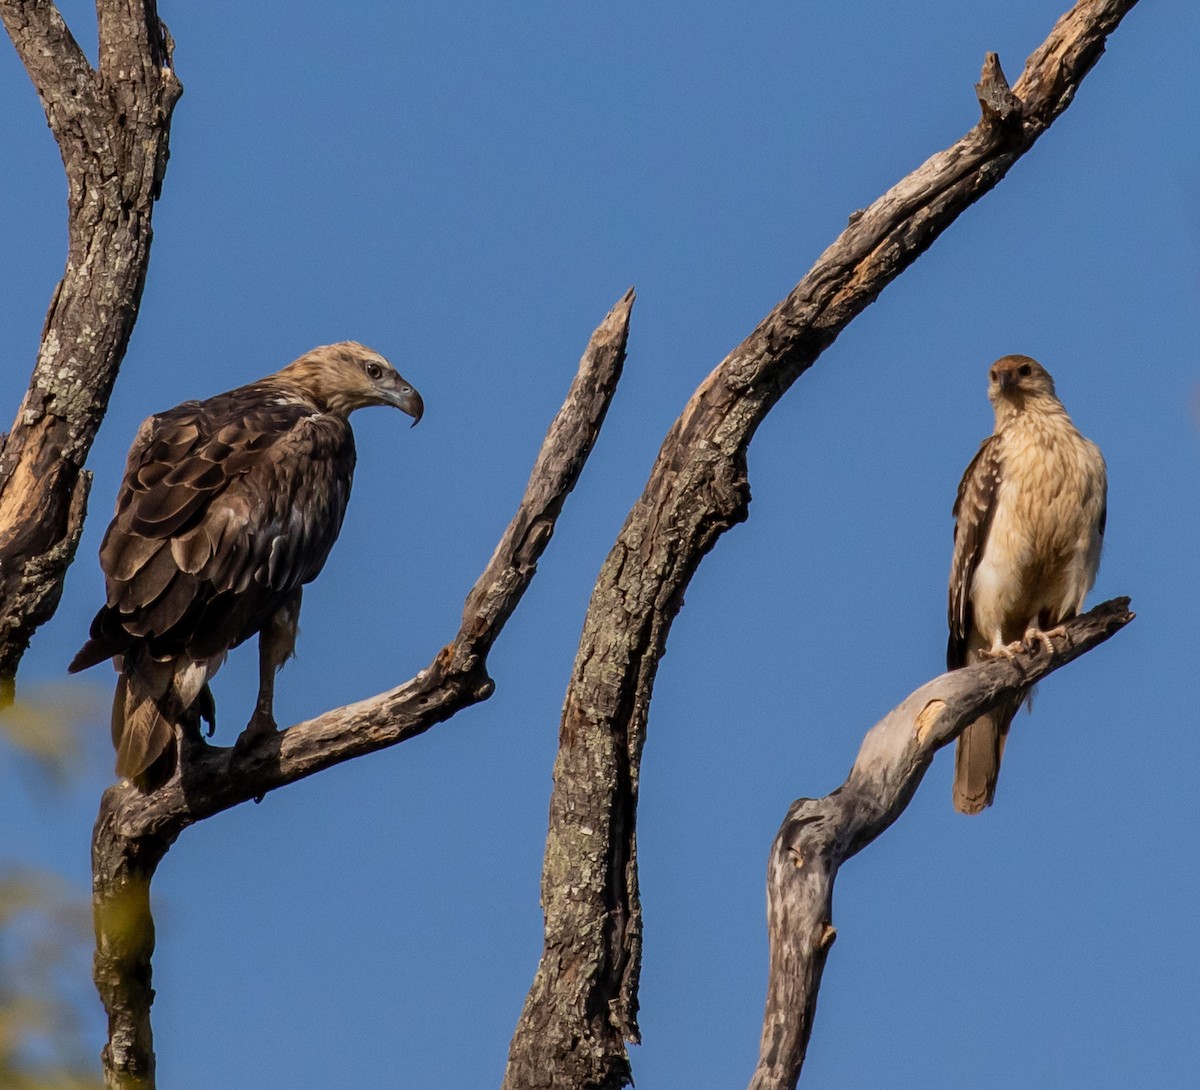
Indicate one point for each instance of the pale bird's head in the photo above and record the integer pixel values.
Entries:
(347, 376)
(1014, 380)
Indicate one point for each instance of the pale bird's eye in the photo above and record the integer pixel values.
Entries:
(374, 372)
(1025, 370)
(992, 376)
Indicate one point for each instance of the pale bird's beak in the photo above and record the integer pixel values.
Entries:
(1007, 380)
(405, 398)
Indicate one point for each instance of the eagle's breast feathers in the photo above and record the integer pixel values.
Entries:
(226, 506)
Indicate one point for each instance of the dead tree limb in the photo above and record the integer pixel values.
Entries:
(582, 1006)
(134, 831)
(111, 124)
(819, 835)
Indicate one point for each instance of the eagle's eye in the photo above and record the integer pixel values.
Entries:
(1024, 370)
(374, 372)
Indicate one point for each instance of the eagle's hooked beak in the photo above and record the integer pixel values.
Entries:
(405, 398)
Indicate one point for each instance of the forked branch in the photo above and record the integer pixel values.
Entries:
(134, 831)
(819, 835)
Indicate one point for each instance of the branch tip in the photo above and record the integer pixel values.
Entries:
(996, 99)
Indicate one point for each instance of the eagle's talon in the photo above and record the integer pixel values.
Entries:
(206, 705)
(262, 725)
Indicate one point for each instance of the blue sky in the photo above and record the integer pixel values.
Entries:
(469, 188)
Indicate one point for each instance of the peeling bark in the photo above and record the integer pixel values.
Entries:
(111, 124)
(582, 1007)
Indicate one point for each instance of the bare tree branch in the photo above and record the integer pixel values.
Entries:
(111, 126)
(60, 72)
(134, 831)
(582, 1006)
(819, 835)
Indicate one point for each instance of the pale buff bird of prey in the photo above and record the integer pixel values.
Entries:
(227, 508)
(1029, 523)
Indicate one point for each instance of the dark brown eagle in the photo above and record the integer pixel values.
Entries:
(227, 508)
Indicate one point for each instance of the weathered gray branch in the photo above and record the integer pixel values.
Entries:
(111, 125)
(819, 835)
(582, 1006)
(134, 831)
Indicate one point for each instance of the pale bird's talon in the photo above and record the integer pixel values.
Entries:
(1045, 637)
(1008, 651)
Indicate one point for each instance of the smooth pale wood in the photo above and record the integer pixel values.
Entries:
(582, 1006)
(819, 835)
(111, 125)
(134, 831)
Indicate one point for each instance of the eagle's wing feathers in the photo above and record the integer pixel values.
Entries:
(271, 530)
(226, 507)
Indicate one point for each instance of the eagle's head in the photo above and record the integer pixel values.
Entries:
(347, 376)
(1014, 380)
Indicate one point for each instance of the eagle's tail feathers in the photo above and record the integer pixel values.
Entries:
(142, 729)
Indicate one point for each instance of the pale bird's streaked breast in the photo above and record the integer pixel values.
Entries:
(1043, 549)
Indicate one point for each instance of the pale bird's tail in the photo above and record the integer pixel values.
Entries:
(977, 758)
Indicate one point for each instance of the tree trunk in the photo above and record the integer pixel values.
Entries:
(111, 125)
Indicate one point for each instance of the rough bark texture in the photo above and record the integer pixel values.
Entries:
(582, 1007)
(134, 830)
(111, 124)
(819, 835)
